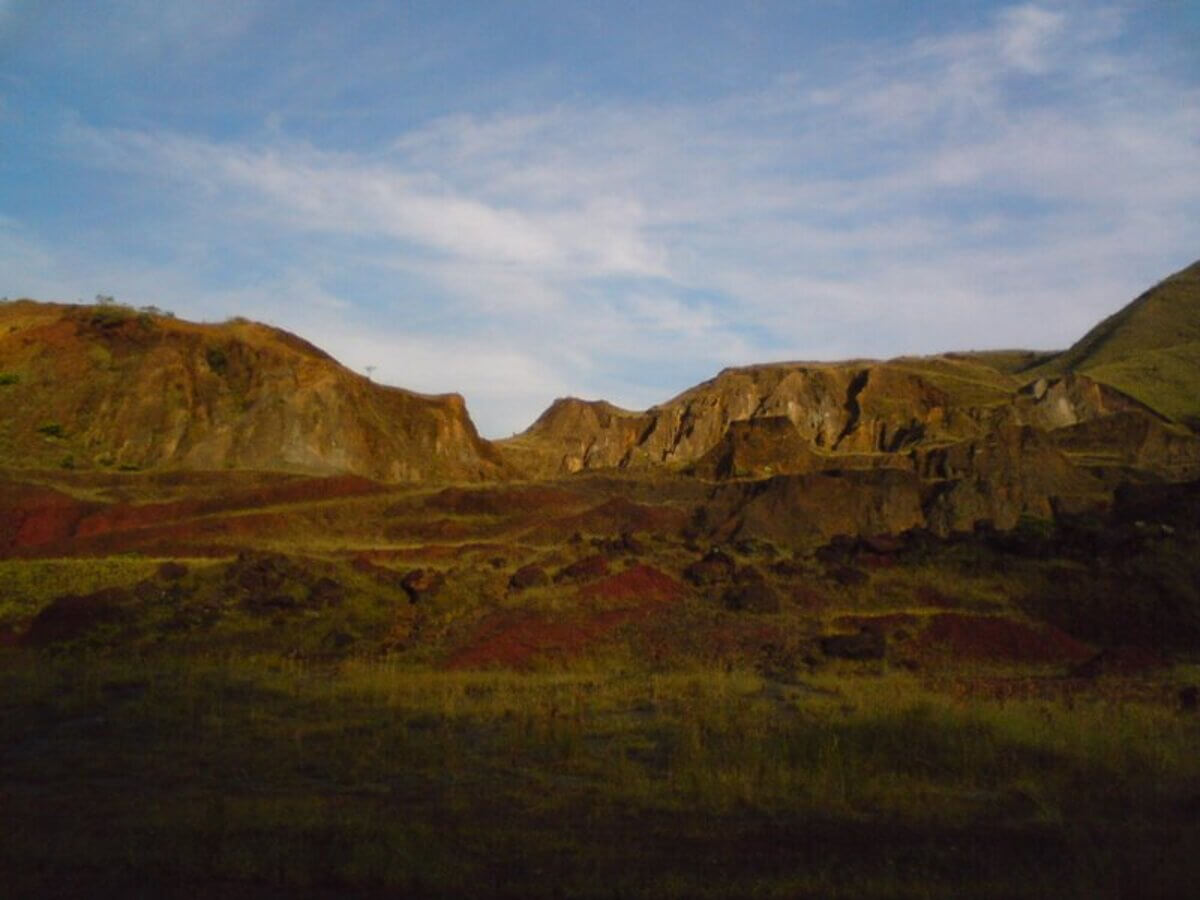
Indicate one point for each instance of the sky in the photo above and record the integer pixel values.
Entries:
(520, 201)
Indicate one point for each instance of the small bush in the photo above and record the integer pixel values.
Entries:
(9, 378)
(109, 316)
(51, 429)
(216, 359)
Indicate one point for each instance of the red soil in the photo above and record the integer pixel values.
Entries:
(31, 515)
(621, 516)
(516, 640)
(121, 517)
(993, 638)
(637, 584)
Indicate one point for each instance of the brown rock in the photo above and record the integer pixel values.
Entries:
(143, 390)
(529, 576)
(72, 616)
(422, 584)
(869, 643)
(714, 568)
(586, 569)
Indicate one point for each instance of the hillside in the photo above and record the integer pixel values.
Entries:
(109, 387)
(1149, 349)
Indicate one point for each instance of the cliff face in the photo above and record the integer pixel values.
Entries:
(843, 413)
(106, 386)
(983, 437)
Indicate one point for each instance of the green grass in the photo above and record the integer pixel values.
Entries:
(1165, 380)
(229, 776)
(969, 383)
(31, 584)
(1161, 318)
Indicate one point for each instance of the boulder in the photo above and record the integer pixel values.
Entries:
(586, 569)
(714, 568)
(869, 643)
(529, 576)
(72, 616)
(422, 584)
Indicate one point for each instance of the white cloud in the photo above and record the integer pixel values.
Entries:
(1007, 185)
(1026, 34)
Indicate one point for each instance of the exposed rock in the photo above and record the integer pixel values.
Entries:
(1012, 472)
(529, 576)
(72, 616)
(422, 584)
(626, 543)
(714, 568)
(833, 408)
(758, 448)
(1070, 400)
(586, 569)
(751, 592)
(260, 574)
(1137, 439)
(138, 391)
(869, 643)
(791, 510)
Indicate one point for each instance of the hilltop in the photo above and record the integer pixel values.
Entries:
(944, 442)
(1149, 349)
(111, 387)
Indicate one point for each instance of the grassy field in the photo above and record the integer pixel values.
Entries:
(322, 722)
(266, 777)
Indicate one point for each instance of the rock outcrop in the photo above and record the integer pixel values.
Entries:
(106, 386)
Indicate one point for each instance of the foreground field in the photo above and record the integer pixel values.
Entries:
(267, 777)
(259, 685)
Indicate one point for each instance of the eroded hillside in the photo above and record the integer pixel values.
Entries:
(109, 387)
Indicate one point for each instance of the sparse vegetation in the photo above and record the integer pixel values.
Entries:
(958, 658)
(216, 359)
(377, 777)
(110, 315)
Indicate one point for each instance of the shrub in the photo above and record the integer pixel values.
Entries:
(51, 429)
(9, 378)
(109, 315)
(216, 359)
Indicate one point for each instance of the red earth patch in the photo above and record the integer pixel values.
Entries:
(994, 638)
(516, 640)
(31, 515)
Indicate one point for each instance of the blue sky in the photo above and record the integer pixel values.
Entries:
(520, 201)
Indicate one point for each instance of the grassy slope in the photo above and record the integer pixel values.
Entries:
(1149, 349)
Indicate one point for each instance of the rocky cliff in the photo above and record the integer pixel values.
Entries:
(107, 386)
(987, 437)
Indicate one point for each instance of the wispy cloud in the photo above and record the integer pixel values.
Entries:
(1003, 185)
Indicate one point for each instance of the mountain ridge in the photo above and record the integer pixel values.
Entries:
(109, 386)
